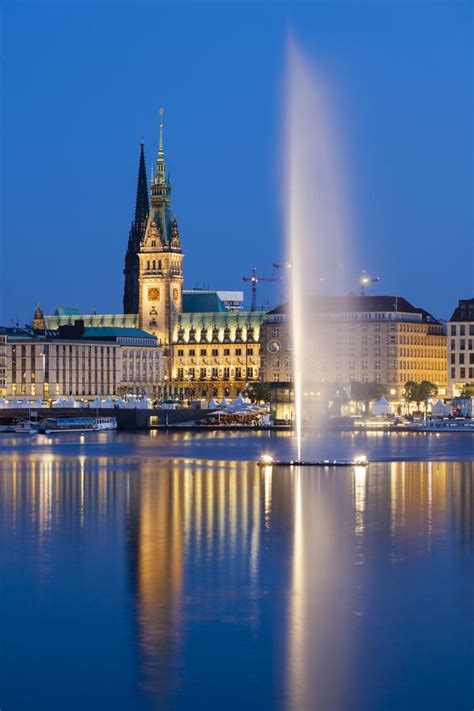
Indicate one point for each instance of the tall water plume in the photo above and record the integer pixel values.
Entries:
(316, 226)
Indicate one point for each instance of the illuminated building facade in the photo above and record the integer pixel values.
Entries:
(210, 346)
(3, 365)
(382, 339)
(461, 347)
(79, 362)
(216, 352)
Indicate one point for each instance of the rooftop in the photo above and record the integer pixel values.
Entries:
(464, 311)
(202, 302)
(363, 304)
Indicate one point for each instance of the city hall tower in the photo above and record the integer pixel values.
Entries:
(154, 260)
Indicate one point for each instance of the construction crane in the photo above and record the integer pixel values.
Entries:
(366, 280)
(254, 279)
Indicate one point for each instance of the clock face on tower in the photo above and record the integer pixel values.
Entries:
(273, 346)
(153, 294)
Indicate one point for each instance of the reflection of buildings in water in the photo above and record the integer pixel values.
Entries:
(422, 494)
(196, 522)
(320, 604)
(462, 501)
(156, 534)
(44, 492)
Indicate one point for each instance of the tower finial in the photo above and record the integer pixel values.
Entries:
(162, 112)
(160, 162)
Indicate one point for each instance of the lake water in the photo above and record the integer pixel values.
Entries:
(131, 580)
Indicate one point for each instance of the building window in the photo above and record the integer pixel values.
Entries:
(192, 352)
(453, 359)
(226, 373)
(215, 374)
(203, 351)
(238, 373)
(203, 374)
(227, 351)
(471, 330)
(249, 351)
(180, 373)
(462, 330)
(462, 373)
(249, 373)
(215, 352)
(180, 352)
(462, 344)
(461, 359)
(453, 329)
(238, 351)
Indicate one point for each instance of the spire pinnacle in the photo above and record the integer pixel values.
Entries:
(141, 204)
(160, 161)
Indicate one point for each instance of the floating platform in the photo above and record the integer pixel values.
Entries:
(268, 461)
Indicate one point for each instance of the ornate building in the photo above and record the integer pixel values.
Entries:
(382, 339)
(209, 348)
(153, 262)
(461, 347)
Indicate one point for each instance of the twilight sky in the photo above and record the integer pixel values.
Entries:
(82, 82)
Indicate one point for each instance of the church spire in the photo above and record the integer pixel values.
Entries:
(141, 205)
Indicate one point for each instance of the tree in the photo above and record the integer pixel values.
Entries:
(426, 391)
(258, 392)
(367, 392)
(467, 390)
(410, 393)
(419, 392)
(124, 390)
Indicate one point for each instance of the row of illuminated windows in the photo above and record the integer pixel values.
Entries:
(215, 352)
(462, 373)
(461, 329)
(461, 346)
(216, 373)
(462, 358)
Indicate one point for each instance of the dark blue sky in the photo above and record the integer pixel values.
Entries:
(82, 82)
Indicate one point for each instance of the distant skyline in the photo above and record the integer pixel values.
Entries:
(82, 85)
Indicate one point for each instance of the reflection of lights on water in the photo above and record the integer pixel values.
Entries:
(360, 459)
(266, 459)
(360, 474)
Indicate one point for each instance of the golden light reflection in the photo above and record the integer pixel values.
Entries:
(359, 478)
(193, 533)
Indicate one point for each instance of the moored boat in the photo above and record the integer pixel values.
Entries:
(453, 425)
(25, 427)
(77, 424)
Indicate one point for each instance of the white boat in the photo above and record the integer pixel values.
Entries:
(25, 427)
(77, 424)
(455, 425)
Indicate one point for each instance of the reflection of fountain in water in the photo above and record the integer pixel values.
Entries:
(317, 236)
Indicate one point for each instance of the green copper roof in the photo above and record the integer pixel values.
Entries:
(202, 303)
(116, 332)
(67, 311)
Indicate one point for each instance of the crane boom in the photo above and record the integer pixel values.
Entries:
(254, 279)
